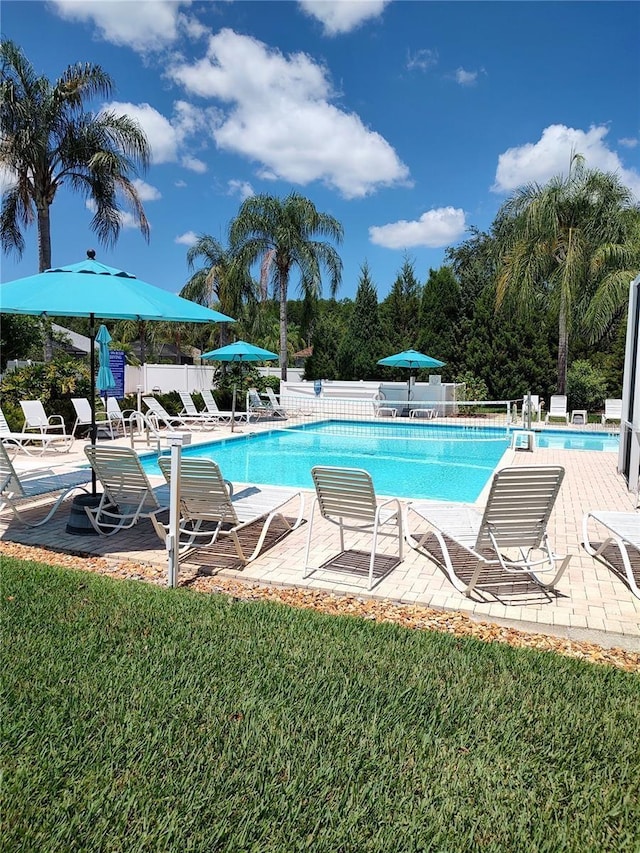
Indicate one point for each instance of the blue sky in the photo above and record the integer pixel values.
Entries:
(409, 122)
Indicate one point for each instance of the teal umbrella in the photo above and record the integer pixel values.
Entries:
(239, 351)
(91, 289)
(104, 380)
(412, 359)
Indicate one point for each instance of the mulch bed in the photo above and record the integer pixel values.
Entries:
(410, 616)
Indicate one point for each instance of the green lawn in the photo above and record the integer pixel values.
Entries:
(143, 719)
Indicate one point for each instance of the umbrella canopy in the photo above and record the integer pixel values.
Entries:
(413, 360)
(105, 380)
(239, 351)
(91, 289)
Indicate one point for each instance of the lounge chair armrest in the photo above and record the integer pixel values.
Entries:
(51, 420)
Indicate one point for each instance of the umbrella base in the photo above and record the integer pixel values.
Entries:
(79, 524)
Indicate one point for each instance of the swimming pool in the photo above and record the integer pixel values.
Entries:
(409, 460)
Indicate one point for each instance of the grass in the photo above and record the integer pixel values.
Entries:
(143, 719)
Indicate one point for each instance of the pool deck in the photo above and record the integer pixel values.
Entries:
(592, 602)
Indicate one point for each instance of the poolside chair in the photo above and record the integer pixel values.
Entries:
(212, 508)
(346, 497)
(128, 495)
(189, 410)
(30, 442)
(612, 411)
(18, 489)
(380, 410)
(558, 408)
(82, 407)
(275, 405)
(512, 527)
(162, 416)
(121, 419)
(224, 417)
(257, 408)
(624, 534)
(36, 419)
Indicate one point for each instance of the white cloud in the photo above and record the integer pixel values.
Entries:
(550, 155)
(189, 238)
(243, 189)
(8, 179)
(466, 78)
(167, 137)
(342, 16)
(145, 26)
(180, 184)
(422, 60)
(435, 228)
(628, 141)
(281, 116)
(127, 220)
(194, 164)
(145, 191)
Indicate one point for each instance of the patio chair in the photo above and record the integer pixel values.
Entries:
(18, 489)
(380, 410)
(30, 442)
(189, 410)
(612, 411)
(224, 417)
(558, 408)
(121, 418)
(212, 508)
(257, 408)
(624, 534)
(128, 495)
(346, 497)
(162, 416)
(36, 419)
(505, 536)
(83, 417)
(275, 405)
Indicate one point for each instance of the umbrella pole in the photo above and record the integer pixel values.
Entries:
(92, 362)
(233, 408)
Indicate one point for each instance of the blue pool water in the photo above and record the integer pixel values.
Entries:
(407, 460)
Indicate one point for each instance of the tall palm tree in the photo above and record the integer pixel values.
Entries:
(48, 138)
(280, 234)
(565, 244)
(222, 279)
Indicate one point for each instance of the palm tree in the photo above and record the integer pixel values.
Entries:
(280, 234)
(222, 279)
(47, 138)
(568, 246)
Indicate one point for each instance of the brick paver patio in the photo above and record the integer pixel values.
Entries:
(592, 600)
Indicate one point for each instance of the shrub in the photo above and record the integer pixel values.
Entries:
(54, 384)
(586, 386)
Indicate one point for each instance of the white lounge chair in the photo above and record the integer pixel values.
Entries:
(82, 407)
(506, 534)
(623, 533)
(346, 497)
(30, 442)
(128, 495)
(224, 417)
(257, 408)
(19, 489)
(379, 408)
(121, 419)
(36, 419)
(275, 405)
(612, 410)
(162, 416)
(558, 408)
(189, 410)
(212, 508)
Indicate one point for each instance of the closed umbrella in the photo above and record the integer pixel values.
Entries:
(413, 360)
(239, 352)
(105, 380)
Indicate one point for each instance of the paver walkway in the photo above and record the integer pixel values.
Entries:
(593, 602)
